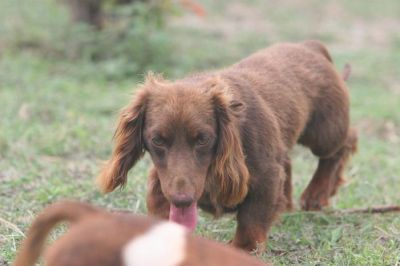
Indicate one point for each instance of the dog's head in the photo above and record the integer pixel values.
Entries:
(190, 130)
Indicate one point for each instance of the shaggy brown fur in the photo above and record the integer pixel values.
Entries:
(221, 139)
(98, 238)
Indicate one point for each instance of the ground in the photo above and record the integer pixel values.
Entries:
(57, 119)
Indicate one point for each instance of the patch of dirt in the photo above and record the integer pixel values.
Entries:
(80, 169)
(386, 130)
(25, 112)
(238, 18)
(9, 174)
(3, 262)
(374, 34)
(392, 84)
(349, 30)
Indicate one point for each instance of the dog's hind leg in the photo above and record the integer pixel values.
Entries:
(349, 148)
(328, 176)
(287, 189)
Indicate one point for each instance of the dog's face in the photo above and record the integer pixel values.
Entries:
(180, 133)
(190, 130)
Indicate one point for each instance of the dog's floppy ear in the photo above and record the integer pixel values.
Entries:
(228, 172)
(129, 146)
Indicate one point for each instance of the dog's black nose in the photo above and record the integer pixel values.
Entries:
(182, 200)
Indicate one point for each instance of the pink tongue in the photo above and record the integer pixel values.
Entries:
(184, 216)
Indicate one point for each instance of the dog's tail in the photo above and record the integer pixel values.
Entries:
(318, 47)
(346, 71)
(32, 246)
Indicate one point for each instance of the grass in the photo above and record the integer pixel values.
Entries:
(57, 118)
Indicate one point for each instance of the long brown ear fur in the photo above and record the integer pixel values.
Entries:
(228, 172)
(129, 146)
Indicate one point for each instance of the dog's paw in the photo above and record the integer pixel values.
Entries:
(289, 206)
(252, 248)
(314, 200)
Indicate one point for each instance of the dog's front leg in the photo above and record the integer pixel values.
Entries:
(262, 205)
(157, 204)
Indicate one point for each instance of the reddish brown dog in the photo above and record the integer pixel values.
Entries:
(100, 238)
(220, 140)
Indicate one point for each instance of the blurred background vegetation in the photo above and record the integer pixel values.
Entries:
(68, 66)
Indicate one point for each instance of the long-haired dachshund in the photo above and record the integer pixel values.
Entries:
(220, 140)
(100, 238)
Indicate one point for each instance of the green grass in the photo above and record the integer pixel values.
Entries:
(57, 118)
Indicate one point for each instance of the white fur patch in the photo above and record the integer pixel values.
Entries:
(162, 245)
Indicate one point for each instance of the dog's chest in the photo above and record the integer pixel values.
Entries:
(207, 205)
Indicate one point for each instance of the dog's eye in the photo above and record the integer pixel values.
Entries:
(158, 141)
(202, 140)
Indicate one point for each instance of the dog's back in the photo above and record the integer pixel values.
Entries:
(294, 83)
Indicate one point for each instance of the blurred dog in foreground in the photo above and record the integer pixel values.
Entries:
(100, 238)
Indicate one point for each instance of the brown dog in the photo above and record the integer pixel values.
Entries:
(100, 238)
(220, 140)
